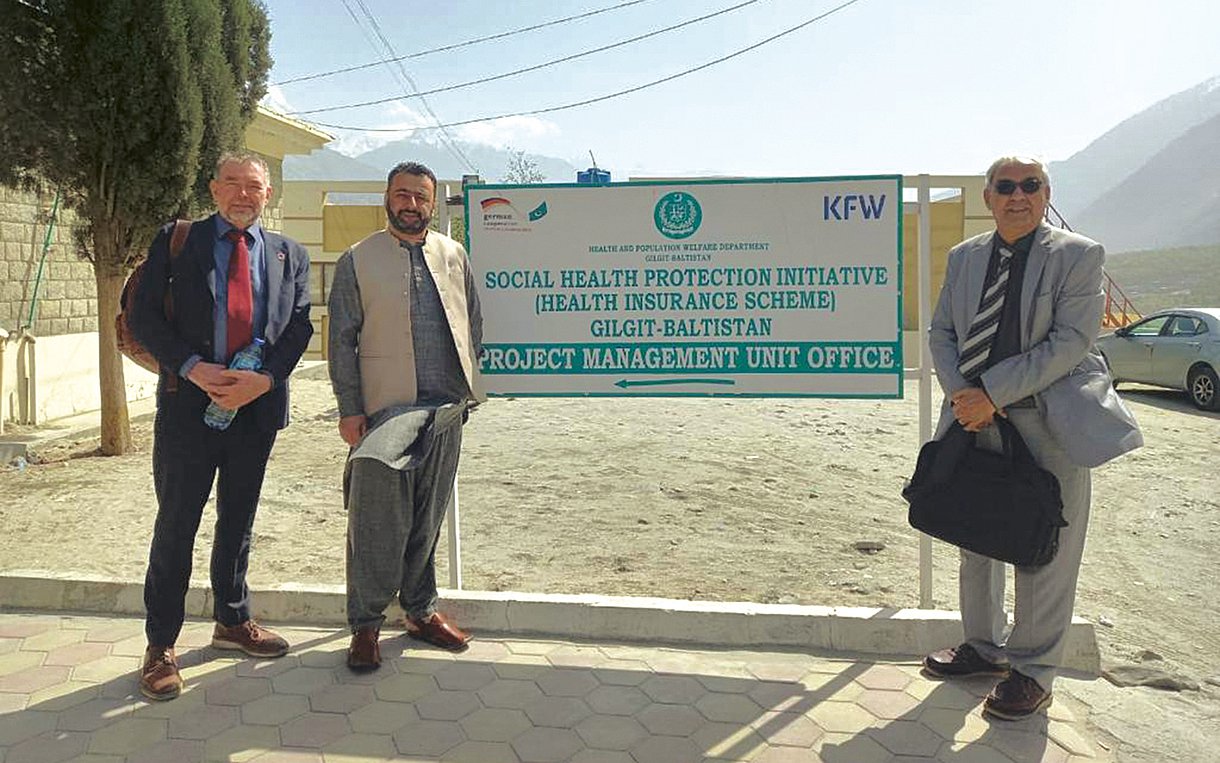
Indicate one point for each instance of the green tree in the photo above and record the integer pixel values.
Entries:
(124, 106)
(521, 169)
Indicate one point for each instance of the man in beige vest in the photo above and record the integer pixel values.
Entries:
(404, 343)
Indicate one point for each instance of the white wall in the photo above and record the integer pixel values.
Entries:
(65, 377)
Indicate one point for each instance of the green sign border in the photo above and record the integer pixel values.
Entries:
(898, 222)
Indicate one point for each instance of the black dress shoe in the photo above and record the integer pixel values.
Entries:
(1016, 697)
(961, 661)
(364, 654)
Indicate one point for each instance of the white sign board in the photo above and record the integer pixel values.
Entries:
(776, 287)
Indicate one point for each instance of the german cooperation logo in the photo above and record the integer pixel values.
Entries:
(499, 212)
(677, 215)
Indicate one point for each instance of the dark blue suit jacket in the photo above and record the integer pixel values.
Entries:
(191, 279)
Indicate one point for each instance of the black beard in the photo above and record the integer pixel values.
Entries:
(412, 229)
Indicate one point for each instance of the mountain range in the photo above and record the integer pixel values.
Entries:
(1172, 200)
(1150, 182)
(492, 162)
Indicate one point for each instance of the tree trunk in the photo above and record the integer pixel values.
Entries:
(116, 429)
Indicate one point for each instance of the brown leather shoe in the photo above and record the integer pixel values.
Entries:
(961, 661)
(251, 638)
(364, 653)
(159, 676)
(438, 631)
(1016, 697)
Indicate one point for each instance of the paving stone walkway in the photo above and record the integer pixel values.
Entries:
(68, 693)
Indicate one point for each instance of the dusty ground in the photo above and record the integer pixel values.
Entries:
(756, 500)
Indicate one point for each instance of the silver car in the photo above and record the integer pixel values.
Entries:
(1177, 348)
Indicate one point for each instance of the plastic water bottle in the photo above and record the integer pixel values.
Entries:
(249, 358)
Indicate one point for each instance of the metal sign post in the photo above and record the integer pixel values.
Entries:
(925, 367)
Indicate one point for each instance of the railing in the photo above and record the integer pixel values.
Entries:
(1119, 309)
(1058, 220)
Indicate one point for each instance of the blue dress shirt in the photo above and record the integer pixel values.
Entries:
(222, 250)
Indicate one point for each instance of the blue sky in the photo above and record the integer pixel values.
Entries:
(881, 86)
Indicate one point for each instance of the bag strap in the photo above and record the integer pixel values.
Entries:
(956, 441)
(177, 241)
(1015, 448)
(953, 446)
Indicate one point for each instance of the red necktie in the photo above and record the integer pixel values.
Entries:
(240, 319)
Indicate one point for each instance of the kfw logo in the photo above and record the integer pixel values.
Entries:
(844, 206)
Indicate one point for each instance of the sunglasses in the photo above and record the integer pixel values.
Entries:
(1008, 187)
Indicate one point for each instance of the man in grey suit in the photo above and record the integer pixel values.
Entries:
(1012, 336)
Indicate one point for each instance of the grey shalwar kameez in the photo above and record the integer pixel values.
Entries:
(398, 480)
(396, 486)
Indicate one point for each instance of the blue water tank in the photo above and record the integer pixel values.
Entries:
(593, 176)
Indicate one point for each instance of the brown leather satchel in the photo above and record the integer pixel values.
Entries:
(126, 341)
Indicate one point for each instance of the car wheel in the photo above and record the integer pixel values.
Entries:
(1202, 386)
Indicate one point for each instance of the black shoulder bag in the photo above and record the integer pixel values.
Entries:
(1001, 505)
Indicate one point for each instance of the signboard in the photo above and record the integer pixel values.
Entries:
(774, 287)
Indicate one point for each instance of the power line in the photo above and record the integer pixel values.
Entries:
(536, 67)
(599, 99)
(455, 46)
(399, 72)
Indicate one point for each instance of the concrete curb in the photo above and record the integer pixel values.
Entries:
(866, 630)
(79, 427)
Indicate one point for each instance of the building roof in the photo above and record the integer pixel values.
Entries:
(277, 135)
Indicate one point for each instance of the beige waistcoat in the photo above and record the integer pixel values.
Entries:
(386, 351)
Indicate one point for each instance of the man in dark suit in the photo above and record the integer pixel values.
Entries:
(1013, 336)
(233, 282)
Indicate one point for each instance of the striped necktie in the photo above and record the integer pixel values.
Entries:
(972, 358)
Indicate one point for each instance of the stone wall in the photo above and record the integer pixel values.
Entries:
(65, 297)
(64, 294)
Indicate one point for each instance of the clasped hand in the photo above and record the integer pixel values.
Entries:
(228, 388)
(973, 409)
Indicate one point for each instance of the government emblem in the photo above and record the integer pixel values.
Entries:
(677, 215)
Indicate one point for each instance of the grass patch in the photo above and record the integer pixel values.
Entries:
(1160, 278)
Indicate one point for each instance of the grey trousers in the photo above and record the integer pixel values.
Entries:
(394, 520)
(1044, 596)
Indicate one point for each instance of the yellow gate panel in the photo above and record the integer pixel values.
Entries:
(345, 225)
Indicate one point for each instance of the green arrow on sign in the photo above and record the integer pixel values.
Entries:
(625, 383)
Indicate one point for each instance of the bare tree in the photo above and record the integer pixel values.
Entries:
(522, 169)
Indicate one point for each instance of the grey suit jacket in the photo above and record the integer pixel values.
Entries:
(1061, 308)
